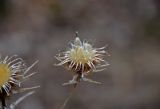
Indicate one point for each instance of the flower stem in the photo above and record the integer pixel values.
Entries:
(72, 91)
(3, 101)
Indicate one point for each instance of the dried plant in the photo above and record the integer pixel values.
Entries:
(82, 59)
(13, 72)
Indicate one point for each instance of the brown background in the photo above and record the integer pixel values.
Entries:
(39, 29)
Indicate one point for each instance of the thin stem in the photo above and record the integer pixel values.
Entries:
(72, 91)
(3, 102)
(69, 97)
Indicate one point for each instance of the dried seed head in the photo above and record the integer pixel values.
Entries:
(13, 71)
(82, 58)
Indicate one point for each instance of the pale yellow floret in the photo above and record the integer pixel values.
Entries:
(4, 74)
(81, 53)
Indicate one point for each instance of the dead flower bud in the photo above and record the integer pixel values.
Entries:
(82, 59)
(13, 72)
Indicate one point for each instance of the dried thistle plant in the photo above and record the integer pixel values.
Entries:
(82, 59)
(13, 72)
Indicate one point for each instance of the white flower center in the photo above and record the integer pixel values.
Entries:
(81, 53)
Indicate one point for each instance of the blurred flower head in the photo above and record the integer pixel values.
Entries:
(13, 71)
(82, 58)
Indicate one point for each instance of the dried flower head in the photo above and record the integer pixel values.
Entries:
(82, 59)
(13, 71)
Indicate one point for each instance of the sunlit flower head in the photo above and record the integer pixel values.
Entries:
(82, 58)
(13, 71)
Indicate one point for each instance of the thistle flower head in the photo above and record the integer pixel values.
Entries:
(82, 58)
(13, 71)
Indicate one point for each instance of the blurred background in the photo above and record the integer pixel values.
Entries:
(39, 29)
